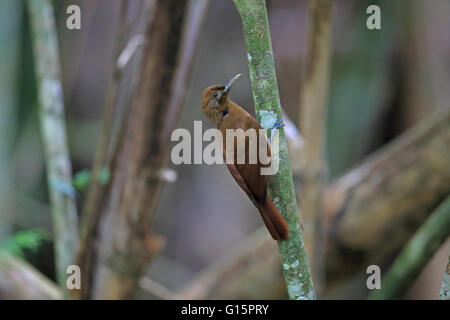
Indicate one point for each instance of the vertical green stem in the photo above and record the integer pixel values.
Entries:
(53, 130)
(268, 110)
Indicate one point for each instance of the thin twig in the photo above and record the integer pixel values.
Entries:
(268, 110)
(90, 217)
(54, 138)
(20, 280)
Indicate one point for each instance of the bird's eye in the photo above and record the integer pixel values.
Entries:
(215, 95)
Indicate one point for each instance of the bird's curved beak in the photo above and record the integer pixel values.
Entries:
(230, 83)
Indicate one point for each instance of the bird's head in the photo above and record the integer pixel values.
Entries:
(215, 100)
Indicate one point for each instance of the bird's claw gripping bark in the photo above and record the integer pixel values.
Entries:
(276, 126)
(64, 188)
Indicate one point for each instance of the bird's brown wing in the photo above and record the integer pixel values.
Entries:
(247, 175)
(249, 178)
(240, 181)
(256, 190)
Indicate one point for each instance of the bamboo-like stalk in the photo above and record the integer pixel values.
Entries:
(53, 129)
(444, 293)
(268, 110)
(313, 112)
(416, 254)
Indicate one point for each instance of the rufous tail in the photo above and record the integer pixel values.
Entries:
(278, 228)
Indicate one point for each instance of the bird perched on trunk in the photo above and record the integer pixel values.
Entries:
(226, 114)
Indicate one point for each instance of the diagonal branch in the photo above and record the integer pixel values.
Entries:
(20, 280)
(416, 254)
(387, 197)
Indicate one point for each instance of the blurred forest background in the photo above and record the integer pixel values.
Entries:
(382, 83)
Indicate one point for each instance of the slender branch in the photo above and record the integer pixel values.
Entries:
(396, 189)
(104, 140)
(90, 217)
(416, 254)
(444, 294)
(54, 138)
(20, 280)
(268, 110)
(313, 113)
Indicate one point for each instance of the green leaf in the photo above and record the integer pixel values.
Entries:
(82, 179)
(22, 240)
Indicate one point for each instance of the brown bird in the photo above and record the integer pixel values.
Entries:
(226, 114)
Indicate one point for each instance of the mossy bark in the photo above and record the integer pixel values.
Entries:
(268, 110)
